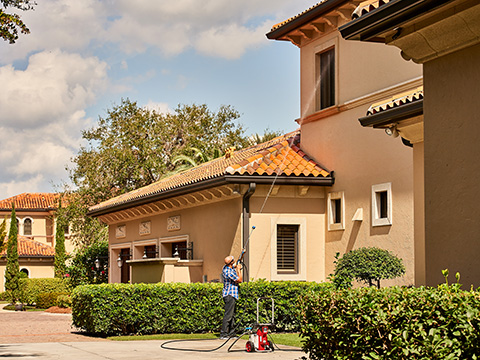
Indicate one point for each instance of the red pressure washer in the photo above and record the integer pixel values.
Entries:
(258, 340)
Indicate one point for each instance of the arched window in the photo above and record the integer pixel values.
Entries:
(25, 271)
(27, 226)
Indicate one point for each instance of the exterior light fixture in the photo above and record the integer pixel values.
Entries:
(97, 264)
(176, 253)
(119, 261)
(144, 254)
(392, 131)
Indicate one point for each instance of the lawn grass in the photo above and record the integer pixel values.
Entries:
(290, 339)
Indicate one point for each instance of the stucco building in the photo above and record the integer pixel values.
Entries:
(36, 233)
(303, 212)
(444, 124)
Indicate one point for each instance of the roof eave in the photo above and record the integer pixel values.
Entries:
(393, 115)
(303, 19)
(207, 184)
(372, 26)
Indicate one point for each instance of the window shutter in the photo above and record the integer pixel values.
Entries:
(287, 248)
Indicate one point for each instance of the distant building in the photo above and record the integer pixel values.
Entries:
(36, 233)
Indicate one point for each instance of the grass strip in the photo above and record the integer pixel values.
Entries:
(287, 339)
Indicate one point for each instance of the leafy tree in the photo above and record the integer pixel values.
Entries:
(60, 255)
(133, 147)
(83, 269)
(267, 135)
(12, 271)
(367, 265)
(11, 24)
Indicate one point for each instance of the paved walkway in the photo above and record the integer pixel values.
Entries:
(45, 336)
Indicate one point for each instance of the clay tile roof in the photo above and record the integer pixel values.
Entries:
(396, 101)
(277, 157)
(31, 201)
(279, 25)
(367, 7)
(32, 248)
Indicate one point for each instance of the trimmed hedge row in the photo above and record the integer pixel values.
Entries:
(32, 288)
(391, 323)
(114, 309)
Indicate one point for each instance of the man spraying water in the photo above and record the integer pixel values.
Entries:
(232, 276)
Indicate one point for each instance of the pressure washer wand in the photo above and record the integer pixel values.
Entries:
(240, 258)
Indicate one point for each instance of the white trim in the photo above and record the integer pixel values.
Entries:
(331, 225)
(376, 219)
(302, 247)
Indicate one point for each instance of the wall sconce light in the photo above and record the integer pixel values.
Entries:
(146, 252)
(392, 131)
(97, 264)
(119, 261)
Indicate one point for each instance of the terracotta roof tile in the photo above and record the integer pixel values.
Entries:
(31, 201)
(367, 7)
(279, 25)
(32, 248)
(396, 101)
(281, 156)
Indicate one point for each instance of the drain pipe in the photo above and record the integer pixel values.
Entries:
(246, 226)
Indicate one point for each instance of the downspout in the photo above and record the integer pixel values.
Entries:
(246, 227)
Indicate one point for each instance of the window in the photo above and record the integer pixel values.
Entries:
(27, 226)
(336, 211)
(149, 251)
(287, 249)
(325, 88)
(382, 204)
(25, 271)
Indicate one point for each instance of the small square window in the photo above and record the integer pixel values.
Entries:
(382, 204)
(336, 211)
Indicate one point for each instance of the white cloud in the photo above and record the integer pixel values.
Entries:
(53, 86)
(15, 187)
(159, 107)
(43, 114)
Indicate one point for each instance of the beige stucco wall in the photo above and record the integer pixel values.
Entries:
(452, 194)
(35, 267)
(361, 157)
(361, 68)
(215, 231)
(419, 212)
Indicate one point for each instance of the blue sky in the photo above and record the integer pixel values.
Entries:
(83, 57)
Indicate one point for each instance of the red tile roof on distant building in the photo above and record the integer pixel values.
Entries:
(31, 201)
(281, 157)
(32, 248)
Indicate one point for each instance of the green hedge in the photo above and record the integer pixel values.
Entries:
(113, 309)
(31, 288)
(49, 299)
(391, 323)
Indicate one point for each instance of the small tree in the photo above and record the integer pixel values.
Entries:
(367, 265)
(83, 268)
(60, 255)
(12, 272)
(3, 234)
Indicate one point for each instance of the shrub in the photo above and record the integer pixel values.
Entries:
(113, 309)
(367, 264)
(64, 301)
(46, 300)
(391, 323)
(32, 287)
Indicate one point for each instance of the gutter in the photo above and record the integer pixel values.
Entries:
(393, 115)
(305, 18)
(210, 183)
(387, 17)
(246, 226)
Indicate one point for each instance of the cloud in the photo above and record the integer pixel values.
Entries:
(163, 108)
(53, 86)
(219, 28)
(43, 115)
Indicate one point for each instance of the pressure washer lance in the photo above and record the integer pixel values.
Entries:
(240, 258)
